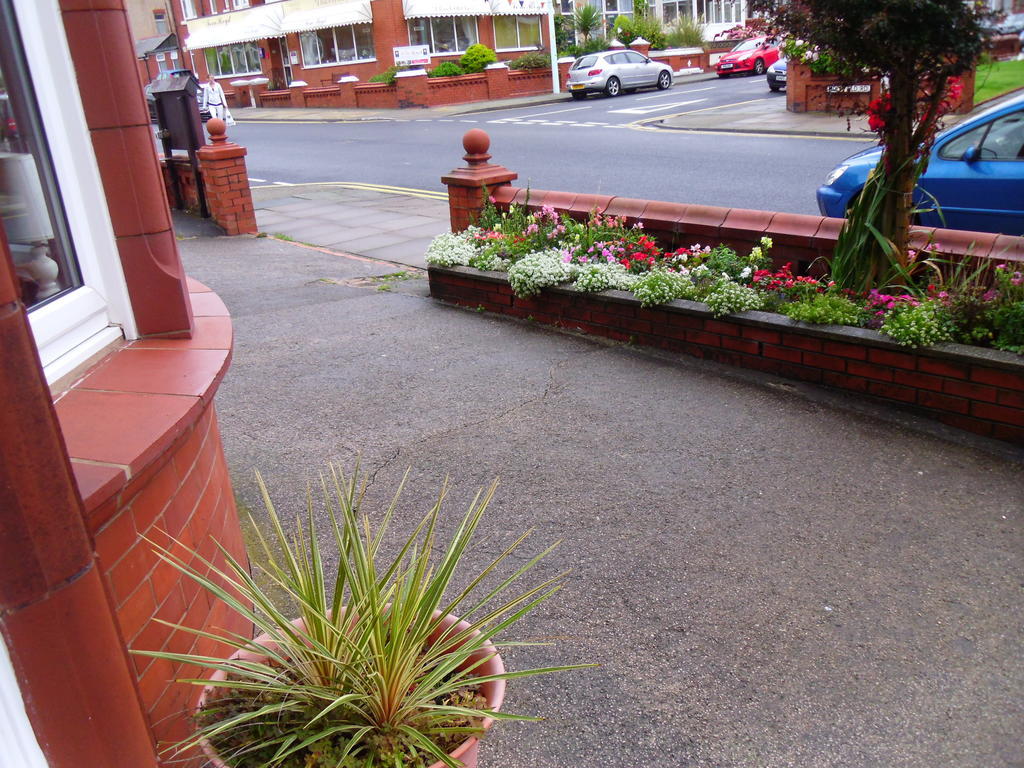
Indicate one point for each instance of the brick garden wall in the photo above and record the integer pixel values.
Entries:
(979, 390)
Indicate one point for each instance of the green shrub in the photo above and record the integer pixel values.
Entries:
(650, 29)
(687, 32)
(387, 76)
(660, 286)
(824, 309)
(917, 325)
(1009, 324)
(476, 58)
(446, 69)
(532, 60)
(727, 297)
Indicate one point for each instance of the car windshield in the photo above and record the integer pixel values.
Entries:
(749, 45)
(586, 61)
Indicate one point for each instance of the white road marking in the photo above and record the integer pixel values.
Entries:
(552, 112)
(283, 184)
(446, 120)
(469, 121)
(258, 181)
(671, 93)
(422, 119)
(656, 108)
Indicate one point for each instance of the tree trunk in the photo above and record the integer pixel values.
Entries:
(900, 163)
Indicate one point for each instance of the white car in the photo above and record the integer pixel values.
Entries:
(612, 72)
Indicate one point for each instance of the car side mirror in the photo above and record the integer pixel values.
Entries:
(970, 154)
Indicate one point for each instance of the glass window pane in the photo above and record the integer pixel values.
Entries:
(30, 204)
(364, 41)
(529, 31)
(1005, 140)
(954, 150)
(253, 55)
(346, 50)
(466, 29)
(312, 51)
(419, 32)
(212, 65)
(443, 31)
(505, 32)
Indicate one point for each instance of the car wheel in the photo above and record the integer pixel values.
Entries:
(774, 88)
(664, 81)
(759, 67)
(578, 95)
(723, 74)
(613, 87)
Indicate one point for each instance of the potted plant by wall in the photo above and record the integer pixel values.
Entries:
(380, 660)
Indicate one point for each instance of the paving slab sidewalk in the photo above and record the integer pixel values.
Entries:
(768, 575)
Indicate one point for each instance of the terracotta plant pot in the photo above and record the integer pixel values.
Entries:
(493, 691)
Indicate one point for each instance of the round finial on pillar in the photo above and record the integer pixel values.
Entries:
(476, 143)
(217, 129)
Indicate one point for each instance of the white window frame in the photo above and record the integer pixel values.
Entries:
(188, 9)
(160, 17)
(241, 4)
(519, 43)
(77, 325)
(351, 28)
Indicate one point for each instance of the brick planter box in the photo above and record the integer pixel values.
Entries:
(976, 389)
(807, 92)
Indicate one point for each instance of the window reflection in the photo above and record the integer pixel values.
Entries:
(29, 198)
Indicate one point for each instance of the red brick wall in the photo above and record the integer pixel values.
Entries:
(186, 496)
(981, 391)
(807, 92)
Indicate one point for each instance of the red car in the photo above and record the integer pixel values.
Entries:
(753, 55)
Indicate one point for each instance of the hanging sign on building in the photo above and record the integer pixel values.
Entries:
(411, 54)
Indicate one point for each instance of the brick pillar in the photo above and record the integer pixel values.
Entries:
(498, 86)
(297, 88)
(56, 617)
(115, 111)
(413, 88)
(468, 185)
(563, 70)
(226, 181)
(347, 90)
(641, 46)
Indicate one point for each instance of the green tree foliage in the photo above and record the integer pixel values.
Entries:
(917, 46)
(587, 20)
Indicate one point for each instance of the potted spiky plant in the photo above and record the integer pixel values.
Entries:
(370, 663)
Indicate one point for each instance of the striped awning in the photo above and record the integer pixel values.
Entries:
(418, 9)
(520, 7)
(257, 23)
(307, 15)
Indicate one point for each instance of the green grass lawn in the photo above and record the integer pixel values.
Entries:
(998, 78)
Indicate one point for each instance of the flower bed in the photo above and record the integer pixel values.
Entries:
(520, 254)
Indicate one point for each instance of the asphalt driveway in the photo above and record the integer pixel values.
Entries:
(768, 574)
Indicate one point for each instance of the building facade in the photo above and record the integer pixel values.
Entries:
(318, 41)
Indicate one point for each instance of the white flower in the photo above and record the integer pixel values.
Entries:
(539, 270)
(756, 252)
(745, 273)
(766, 242)
(451, 249)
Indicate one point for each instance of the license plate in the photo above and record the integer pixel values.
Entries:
(780, 77)
(575, 87)
(728, 66)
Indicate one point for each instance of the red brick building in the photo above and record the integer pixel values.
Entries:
(318, 41)
(108, 434)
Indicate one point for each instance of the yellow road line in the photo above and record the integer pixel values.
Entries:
(427, 194)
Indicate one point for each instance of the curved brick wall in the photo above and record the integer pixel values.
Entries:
(142, 434)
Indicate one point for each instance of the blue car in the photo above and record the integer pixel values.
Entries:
(976, 175)
(777, 75)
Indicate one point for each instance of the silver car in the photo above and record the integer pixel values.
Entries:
(615, 71)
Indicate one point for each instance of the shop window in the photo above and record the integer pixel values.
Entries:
(337, 45)
(448, 34)
(160, 21)
(512, 32)
(238, 59)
